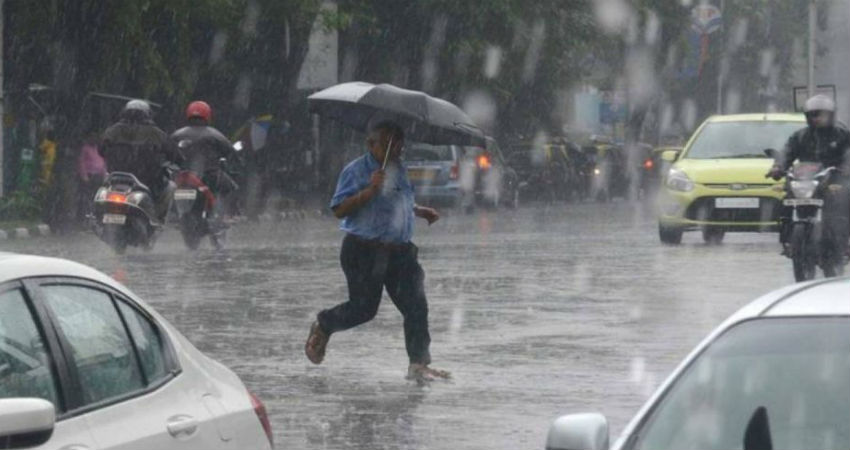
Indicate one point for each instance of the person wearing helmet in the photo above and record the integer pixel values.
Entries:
(204, 147)
(136, 145)
(824, 141)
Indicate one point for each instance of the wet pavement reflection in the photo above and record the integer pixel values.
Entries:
(536, 312)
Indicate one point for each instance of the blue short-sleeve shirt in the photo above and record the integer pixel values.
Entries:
(388, 216)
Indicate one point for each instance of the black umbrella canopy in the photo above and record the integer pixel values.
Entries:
(425, 119)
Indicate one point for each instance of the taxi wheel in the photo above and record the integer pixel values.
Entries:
(713, 236)
(670, 235)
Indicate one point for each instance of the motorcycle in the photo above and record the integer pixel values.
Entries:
(812, 240)
(124, 213)
(195, 204)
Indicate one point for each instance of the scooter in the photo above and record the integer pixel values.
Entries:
(195, 204)
(124, 213)
(813, 241)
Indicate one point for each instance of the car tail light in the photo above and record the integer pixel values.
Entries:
(260, 410)
(455, 173)
(116, 197)
(484, 162)
(648, 164)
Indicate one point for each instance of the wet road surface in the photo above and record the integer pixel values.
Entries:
(536, 312)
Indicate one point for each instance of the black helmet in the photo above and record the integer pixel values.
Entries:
(818, 104)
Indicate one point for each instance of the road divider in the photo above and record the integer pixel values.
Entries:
(28, 232)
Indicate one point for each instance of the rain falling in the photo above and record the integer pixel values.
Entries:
(424, 224)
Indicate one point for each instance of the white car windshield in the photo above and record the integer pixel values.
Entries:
(746, 139)
(782, 381)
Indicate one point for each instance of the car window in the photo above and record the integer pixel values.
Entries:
(148, 343)
(740, 139)
(101, 350)
(426, 152)
(793, 372)
(25, 366)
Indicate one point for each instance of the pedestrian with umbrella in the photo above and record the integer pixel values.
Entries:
(375, 201)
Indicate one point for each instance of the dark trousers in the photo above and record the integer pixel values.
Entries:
(85, 195)
(368, 268)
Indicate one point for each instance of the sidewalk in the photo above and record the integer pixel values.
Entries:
(16, 229)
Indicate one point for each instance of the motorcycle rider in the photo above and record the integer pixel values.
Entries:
(826, 142)
(136, 145)
(203, 148)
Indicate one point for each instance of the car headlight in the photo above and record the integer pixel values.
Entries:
(804, 189)
(677, 180)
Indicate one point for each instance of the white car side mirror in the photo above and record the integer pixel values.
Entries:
(26, 422)
(588, 431)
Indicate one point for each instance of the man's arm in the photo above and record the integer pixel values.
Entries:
(784, 158)
(354, 202)
(223, 146)
(173, 152)
(789, 153)
(845, 160)
(429, 214)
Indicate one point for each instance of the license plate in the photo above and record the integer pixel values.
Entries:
(803, 202)
(185, 194)
(114, 219)
(420, 174)
(737, 202)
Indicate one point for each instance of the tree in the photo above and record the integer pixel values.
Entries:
(164, 50)
(443, 46)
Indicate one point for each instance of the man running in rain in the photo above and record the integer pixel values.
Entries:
(377, 211)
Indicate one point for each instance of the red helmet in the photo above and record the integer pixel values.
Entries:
(199, 109)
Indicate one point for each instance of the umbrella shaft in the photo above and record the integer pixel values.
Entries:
(387, 153)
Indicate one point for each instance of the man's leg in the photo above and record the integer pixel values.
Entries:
(365, 286)
(406, 287)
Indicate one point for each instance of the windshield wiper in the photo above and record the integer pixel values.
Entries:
(757, 436)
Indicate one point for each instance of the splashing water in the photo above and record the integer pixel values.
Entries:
(217, 48)
(242, 95)
(532, 57)
(492, 61)
(482, 108)
(612, 16)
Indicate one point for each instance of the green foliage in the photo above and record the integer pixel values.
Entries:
(396, 41)
(19, 205)
(172, 51)
(156, 49)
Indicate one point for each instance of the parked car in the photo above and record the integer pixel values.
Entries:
(717, 183)
(776, 374)
(461, 176)
(496, 182)
(434, 171)
(86, 364)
